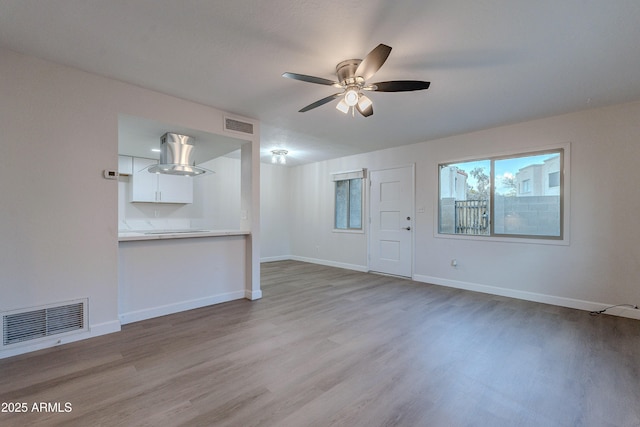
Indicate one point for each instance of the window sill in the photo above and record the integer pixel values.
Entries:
(534, 241)
(338, 230)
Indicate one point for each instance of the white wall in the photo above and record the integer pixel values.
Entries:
(275, 215)
(311, 226)
(601, 263)
(219, 195)
(58, 220)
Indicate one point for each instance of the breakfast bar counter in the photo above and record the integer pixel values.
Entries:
(161, 273)
(128, 236)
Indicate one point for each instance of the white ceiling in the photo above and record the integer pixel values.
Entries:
(490, 62)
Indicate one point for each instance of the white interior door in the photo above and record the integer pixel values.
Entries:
(391, 228)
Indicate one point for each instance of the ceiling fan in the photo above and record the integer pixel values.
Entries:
(352, 79)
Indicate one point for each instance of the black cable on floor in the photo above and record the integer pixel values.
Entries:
(597, 312)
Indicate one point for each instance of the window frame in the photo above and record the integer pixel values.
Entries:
(564, 193)
(359, 174)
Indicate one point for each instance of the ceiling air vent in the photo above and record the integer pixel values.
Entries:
(233, 125)
(36, 323)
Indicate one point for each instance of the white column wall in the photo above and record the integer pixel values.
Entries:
(275, 212)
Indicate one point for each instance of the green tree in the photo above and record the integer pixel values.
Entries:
(481, 190)
(509, 183)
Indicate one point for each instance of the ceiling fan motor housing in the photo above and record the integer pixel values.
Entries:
(346, 71)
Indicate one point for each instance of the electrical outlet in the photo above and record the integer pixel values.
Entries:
(454, 263)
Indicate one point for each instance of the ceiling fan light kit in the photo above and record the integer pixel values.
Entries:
(352, 79)
(364, 102)
(342, 106)
(351, 96)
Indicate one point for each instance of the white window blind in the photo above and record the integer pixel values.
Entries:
(341, 176)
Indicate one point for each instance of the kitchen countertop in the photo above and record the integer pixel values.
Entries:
(127, 236)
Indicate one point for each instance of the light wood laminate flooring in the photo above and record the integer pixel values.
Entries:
(333, 347)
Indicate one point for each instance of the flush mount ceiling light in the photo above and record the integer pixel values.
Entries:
(352, 76)
(279, 156)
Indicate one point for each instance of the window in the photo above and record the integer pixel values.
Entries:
(348, 200)
(503, 196)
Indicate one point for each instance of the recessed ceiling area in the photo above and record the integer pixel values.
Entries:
(490, 63)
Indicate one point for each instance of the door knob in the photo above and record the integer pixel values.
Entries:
(407, 228)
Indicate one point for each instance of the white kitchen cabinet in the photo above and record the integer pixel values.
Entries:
(158, 188)
(175, 189)
(125, 165)
(144, 185)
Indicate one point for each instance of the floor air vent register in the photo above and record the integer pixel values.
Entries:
(38, 323)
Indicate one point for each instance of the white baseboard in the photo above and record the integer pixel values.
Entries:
(328, 263)
(530, 296)
(252, 295)
(148, 313)
(94, 331)
(276, 258)
(104, 328)
(362, 268)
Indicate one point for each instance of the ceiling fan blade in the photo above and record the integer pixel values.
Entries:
(366, 112)
(311, 79)
(320, 102)
(373, 61)
(401, 86)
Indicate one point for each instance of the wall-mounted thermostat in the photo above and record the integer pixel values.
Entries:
(110, 174)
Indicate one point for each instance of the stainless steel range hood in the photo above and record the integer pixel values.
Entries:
(175, 156)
